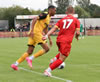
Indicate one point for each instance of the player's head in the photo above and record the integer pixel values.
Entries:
(51, 10)
(70, 10)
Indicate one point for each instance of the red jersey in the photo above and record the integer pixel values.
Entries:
(67, 27)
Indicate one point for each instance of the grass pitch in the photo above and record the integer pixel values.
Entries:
(82, 65)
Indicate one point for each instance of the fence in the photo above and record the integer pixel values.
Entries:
(92, 32)
(12, 34)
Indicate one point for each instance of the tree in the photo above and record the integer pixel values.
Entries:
(94, 10)
(61, 6)
(11, 12)
(81, 12)
(84, 7)
(36, 12)
(83, 3)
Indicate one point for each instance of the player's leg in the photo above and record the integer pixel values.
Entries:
(39, 53)
(22, 58)
(29, 52)
(64, 52)
(58, 62)
(55, 58)
(42, 51)
(38, 40)
(54, 65)
(26, 54)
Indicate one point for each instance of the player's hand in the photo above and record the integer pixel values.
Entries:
(31, 34)
(77, 37)
(44, 37)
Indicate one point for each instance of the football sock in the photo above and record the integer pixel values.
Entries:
(31, 57)
(22, 58)
(39, 53)
(48, 69)
(16, 63)
(55, 58)
(55, 64)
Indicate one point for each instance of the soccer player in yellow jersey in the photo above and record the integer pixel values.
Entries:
(39, 25)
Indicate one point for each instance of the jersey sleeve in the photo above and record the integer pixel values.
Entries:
(57, 24)
(42, 16)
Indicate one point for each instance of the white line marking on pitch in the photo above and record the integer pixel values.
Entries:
(42, 74)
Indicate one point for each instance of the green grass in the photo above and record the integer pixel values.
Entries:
(82, 65)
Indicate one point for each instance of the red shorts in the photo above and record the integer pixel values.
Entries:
(64, 47)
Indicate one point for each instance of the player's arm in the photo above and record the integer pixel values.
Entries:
(77, 30)
(56, 26)
(50, 40)
(34, 21)
(50, 32)
(31, 34)
(46, 31)
(77, 33)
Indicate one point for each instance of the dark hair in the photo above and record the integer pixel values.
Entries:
(51, 6)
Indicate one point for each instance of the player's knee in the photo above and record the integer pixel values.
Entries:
(47, 49)
(30, 52)
(62, 57)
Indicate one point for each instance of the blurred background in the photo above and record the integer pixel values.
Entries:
(16, 15)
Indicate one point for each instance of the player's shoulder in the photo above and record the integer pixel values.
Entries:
(70, 16)
(74, 18)
(43, 15)
(63, 18)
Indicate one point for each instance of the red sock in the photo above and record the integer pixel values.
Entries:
(57, 56)
(55, 64)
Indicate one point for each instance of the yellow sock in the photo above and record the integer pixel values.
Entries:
(22, 58)
(39, 53)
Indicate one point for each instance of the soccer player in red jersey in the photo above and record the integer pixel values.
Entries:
(68, 26)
